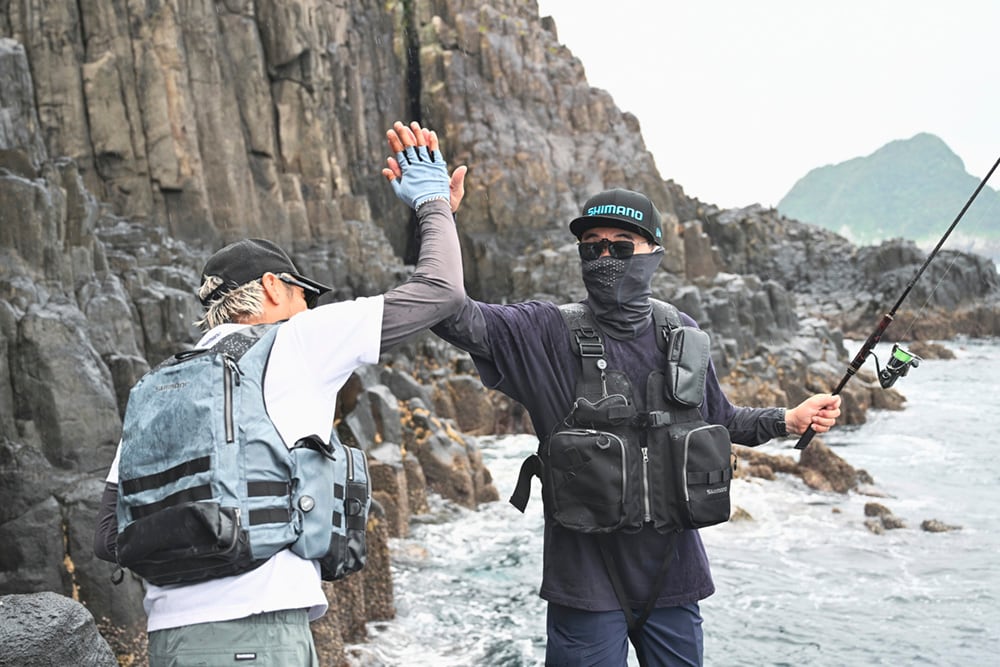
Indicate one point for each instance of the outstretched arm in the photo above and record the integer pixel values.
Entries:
(466, 328)
(436, 289)
(755, 426)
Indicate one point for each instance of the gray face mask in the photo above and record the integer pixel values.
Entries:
(618, 292)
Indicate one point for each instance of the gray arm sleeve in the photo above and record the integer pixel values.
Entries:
(106, 531)
(435, 290)
(466, 330)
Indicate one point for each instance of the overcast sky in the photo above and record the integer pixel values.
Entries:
(738, 99)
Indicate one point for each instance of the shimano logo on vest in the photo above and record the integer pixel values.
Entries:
(612, 209)
(171, 386)
(721, 489)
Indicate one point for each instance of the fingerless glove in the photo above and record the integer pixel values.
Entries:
(424, 176)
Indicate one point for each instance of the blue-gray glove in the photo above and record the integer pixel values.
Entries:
(425, 176)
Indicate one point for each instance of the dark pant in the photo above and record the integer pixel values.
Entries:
(579, 638)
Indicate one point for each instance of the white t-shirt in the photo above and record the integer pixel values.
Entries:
(314, 354)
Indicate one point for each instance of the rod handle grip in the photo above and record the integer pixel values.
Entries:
(805, 438)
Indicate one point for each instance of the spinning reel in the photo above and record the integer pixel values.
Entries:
(898, 366)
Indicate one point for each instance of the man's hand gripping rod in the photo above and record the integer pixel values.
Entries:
(859, 359)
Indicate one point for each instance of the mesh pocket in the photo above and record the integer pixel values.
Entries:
(186, 543)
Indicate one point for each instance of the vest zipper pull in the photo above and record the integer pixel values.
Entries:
(230, 375)
(234, 366)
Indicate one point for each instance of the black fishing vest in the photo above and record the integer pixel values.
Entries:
(610, 467)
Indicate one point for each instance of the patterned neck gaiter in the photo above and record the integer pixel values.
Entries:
(618, 292)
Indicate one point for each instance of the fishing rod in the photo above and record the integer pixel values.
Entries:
(901, 360)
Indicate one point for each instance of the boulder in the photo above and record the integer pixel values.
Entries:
(824, 470)
(50, 630)
(936, 526)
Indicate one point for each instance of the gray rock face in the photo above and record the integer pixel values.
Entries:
(19, 124)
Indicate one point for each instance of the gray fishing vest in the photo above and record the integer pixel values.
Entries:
(207, 488)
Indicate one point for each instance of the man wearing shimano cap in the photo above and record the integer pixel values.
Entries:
(526, 351)
(262, 616)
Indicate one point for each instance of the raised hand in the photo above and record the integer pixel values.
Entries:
(415, 144)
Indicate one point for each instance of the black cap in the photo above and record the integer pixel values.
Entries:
(247, 260)
(620, 208)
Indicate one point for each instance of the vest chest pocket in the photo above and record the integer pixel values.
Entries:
(586, 475)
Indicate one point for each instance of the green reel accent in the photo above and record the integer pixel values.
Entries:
(899, 365)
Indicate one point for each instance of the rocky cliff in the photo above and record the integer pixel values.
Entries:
(136, 136)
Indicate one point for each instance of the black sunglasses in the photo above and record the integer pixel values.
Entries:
(308, 291)
(617, 249)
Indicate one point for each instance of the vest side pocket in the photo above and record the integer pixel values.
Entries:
(694, 463)
(332, 496)
(708, 471)
(585, 476)
(317, 497)
(348, 549)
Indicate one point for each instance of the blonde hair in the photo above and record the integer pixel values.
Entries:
(237, 305)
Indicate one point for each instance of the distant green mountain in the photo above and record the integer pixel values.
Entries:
(910, 188)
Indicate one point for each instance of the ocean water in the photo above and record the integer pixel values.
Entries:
(803, 583)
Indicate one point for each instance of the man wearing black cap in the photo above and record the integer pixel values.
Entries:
(262, 616)
(600, 581)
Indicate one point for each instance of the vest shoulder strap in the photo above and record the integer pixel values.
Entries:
(587, 337)
(666, 318)
(239, 342)
(587, 343)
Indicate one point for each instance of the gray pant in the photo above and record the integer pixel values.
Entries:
(273, 639)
